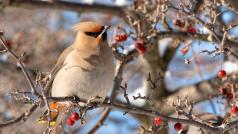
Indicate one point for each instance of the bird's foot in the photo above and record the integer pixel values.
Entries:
(75, 99)
(94, 100)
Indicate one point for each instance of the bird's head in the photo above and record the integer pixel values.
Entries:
(90, 33)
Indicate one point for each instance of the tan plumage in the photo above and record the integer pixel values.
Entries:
(88, 27)
(86, 67)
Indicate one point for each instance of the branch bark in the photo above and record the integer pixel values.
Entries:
(197, 93)
(22, 117)
(24, 70)
(66, 5)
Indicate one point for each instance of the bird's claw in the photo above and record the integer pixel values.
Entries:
(94, 100)
(76, 99)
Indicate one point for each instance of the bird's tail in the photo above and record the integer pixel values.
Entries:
(55, 109)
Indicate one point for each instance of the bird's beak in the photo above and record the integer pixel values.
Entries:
(106, 27)
(104, 30)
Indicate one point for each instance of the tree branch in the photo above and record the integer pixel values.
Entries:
(204, 37)
(23, 116)
(100, 122)
(17, 58)
(66, 5)
(197, 93)
(141, 111)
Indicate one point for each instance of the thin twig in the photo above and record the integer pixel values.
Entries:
(100, 122)
(21, 66)
(125, 94)
(22, 117)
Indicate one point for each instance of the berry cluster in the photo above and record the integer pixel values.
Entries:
(234, 109)
(139, 44)
(140, 47)
(181, 24)
(120, 37)
(73, 118)
(226, 92)
(178, 23)
(177, 126)
(191, 30)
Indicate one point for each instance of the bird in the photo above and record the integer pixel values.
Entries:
(86, 68)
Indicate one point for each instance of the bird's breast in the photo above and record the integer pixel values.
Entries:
(84, 76)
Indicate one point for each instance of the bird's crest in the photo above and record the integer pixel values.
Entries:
(88, 26)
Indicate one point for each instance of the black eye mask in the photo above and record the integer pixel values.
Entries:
(95, 34)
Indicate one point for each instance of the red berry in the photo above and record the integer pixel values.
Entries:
(221, 74)
(157, 121)
(140, 47)
(8, 43)
(74, 116)
(234, 109)
(70, 122)
(117, 38)
(184, 50)
(178, 23)
(178, 126)
(191, 30)
(229, 95)
(120, 38)
(223, 91)
(123, 37)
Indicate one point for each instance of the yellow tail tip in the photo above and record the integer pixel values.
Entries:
(52, 123)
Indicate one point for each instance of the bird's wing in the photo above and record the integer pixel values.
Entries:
(56, 68)
(49, 83)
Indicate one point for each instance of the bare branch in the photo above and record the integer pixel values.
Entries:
(22, 117)
(17, 58)
(100, 122)
(66, 5)
(199, 92)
